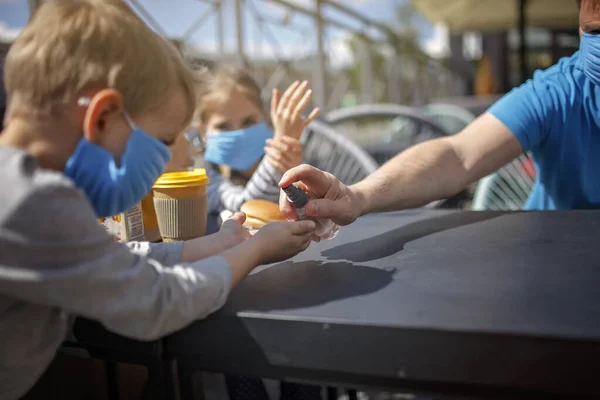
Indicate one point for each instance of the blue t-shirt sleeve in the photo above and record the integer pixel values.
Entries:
(530, 110)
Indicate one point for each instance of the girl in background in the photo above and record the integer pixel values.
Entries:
(245, 160)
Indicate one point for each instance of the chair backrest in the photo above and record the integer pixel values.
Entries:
(451, 117)
(506, 189)
(384, 130)
(330, 151)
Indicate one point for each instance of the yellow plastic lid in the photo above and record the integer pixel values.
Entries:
(182, 179)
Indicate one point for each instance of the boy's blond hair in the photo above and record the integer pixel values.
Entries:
(73, 45)
(218, 84)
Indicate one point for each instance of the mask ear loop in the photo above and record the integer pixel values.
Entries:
(130, 122)
(84, 101)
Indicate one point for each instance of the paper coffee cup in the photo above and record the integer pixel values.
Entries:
(181, 204)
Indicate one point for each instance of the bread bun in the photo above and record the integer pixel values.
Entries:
(261, 212)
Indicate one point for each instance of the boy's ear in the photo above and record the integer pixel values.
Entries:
(104, 109)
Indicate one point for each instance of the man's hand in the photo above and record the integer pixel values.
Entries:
(332, 199)
(284, 152)
(286, 111)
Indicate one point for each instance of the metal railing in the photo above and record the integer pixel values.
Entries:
(383, 67)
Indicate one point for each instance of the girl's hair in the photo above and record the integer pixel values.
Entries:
(219, 83)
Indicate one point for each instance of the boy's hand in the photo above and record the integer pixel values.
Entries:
(232, 232)
(284, 153)
(279, 241)
(286, 110)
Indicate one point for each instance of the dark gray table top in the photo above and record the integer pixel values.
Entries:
(522, 273)
(428, 295)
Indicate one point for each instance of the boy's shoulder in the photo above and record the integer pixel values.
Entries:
(34, 197)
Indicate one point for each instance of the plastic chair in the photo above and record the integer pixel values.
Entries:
(326, 149)
(332, 152)
(508, 188)
(450, 117)
(384, 130)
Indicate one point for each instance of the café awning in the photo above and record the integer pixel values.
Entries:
(494, 15)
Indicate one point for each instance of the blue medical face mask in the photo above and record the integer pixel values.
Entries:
(239, 149)
(589, 55)
(112, 188)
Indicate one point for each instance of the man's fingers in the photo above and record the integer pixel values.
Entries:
(274, 101)
(286, 208)
(302, 104)
(311, 117)
(285, 98)
(300, 228)
(324, 208)
(318, 181)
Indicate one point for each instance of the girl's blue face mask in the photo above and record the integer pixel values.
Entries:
(589, 55)
(113, 188)
(239, 149)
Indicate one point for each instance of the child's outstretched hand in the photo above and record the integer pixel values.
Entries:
(279, 241)
(232, 232)
(286, 110)
(284, 152)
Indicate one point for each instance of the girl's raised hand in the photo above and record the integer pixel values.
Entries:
(284, 152)
(287, 110)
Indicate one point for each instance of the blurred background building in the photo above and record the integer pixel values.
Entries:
(362, 51)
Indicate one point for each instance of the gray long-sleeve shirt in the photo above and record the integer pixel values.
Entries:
(57, 262)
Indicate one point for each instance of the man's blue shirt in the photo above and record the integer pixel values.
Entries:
(556, 117)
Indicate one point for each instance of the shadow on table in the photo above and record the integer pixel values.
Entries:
(291, 285)
(393, 241)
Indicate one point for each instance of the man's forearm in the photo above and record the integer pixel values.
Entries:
(424, 173)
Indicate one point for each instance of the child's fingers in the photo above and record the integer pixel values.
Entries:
(278, 165)
(291, 144)
(286, 96)
(306, 239)
(311, 117)
(289, 156)
(301, 228)
(296, 97)
(279, 145)
(302, 104)
(274, 101)
(286, 145)
(273, 153)
(288, 140)
(238, 217)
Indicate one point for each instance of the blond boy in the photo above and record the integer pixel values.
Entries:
(89, 75)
